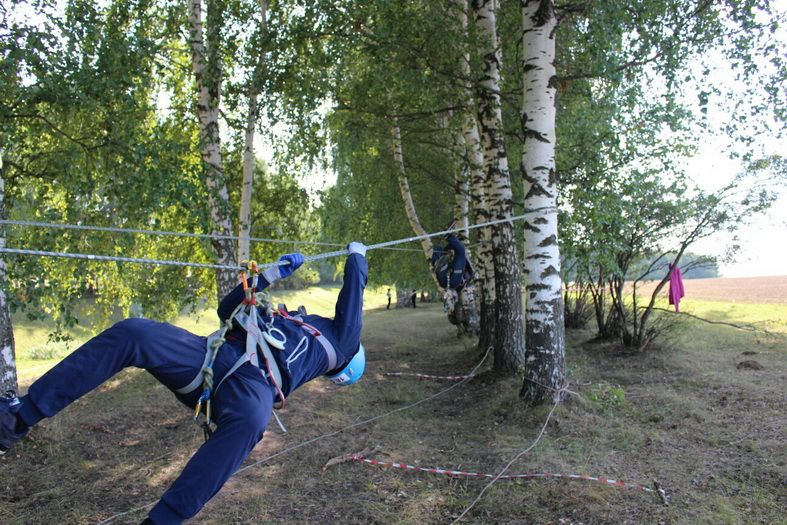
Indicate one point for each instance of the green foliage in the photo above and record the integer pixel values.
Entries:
(96, 119)
(642, 218)
(607, 397)
(693, 266)
(400, 70)
(55, 350)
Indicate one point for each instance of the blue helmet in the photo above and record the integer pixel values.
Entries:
(353, 371)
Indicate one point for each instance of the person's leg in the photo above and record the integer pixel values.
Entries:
(242, 407)
(458, 265)
(171, 354)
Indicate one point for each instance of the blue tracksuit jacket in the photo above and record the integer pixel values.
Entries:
(241, 406)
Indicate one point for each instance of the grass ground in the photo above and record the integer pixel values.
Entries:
(687, 415)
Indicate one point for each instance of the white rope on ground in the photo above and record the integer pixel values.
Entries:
(508, 465)
(306, 258)
(424, 376)
(326, 435)
(114, 229)
(557, 392)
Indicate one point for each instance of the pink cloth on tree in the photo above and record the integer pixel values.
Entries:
(675, 286)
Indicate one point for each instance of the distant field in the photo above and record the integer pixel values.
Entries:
(735, 290)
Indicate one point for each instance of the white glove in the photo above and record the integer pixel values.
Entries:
(357, 247)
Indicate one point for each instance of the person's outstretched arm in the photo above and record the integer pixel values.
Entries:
(266, 278)
(349, 306)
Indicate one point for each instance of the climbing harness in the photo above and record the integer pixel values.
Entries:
(245, 316)
(261, 344)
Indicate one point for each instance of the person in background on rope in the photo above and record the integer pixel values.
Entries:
(389, 299)
(304, 347)
(413, 297)
(452, 269)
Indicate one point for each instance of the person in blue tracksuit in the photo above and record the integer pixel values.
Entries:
(313, 346)
(450, 264)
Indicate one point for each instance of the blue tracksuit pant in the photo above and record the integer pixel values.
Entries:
(174, 356)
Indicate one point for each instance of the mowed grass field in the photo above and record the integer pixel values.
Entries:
(686, 413)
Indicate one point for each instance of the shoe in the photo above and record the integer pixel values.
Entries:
(9, 406)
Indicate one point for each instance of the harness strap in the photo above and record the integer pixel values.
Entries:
(197, 381)
(330, 351)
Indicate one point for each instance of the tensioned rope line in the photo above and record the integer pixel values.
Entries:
(328, 434)
(306, 258)
(114, 229)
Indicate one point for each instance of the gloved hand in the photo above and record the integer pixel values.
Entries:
(294, 260)
(357, 247)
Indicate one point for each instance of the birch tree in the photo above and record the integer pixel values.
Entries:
(8, 382)
(407, 197)
(206, 59)
(247, 186)
(485, 271)
(509, 344)
(544, 326)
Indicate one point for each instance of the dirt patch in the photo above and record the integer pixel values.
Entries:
(749, 365)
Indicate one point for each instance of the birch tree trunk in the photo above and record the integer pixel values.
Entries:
(466, 315)
(407, 197)
(247, 188)
(544, 325)
(207, 76)
(461, 189)
(509, 344)
(485, 270)
(8, 380)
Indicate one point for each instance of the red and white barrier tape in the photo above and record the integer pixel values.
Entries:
(425, 376)
(462, 474)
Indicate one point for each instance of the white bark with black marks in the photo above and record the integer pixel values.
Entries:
(208, 84)
(247, 188)
(466, 314)
(8, 377)
(484, 268)
(461, 188)
(407, 197)
(509, 344)
(544, 326)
